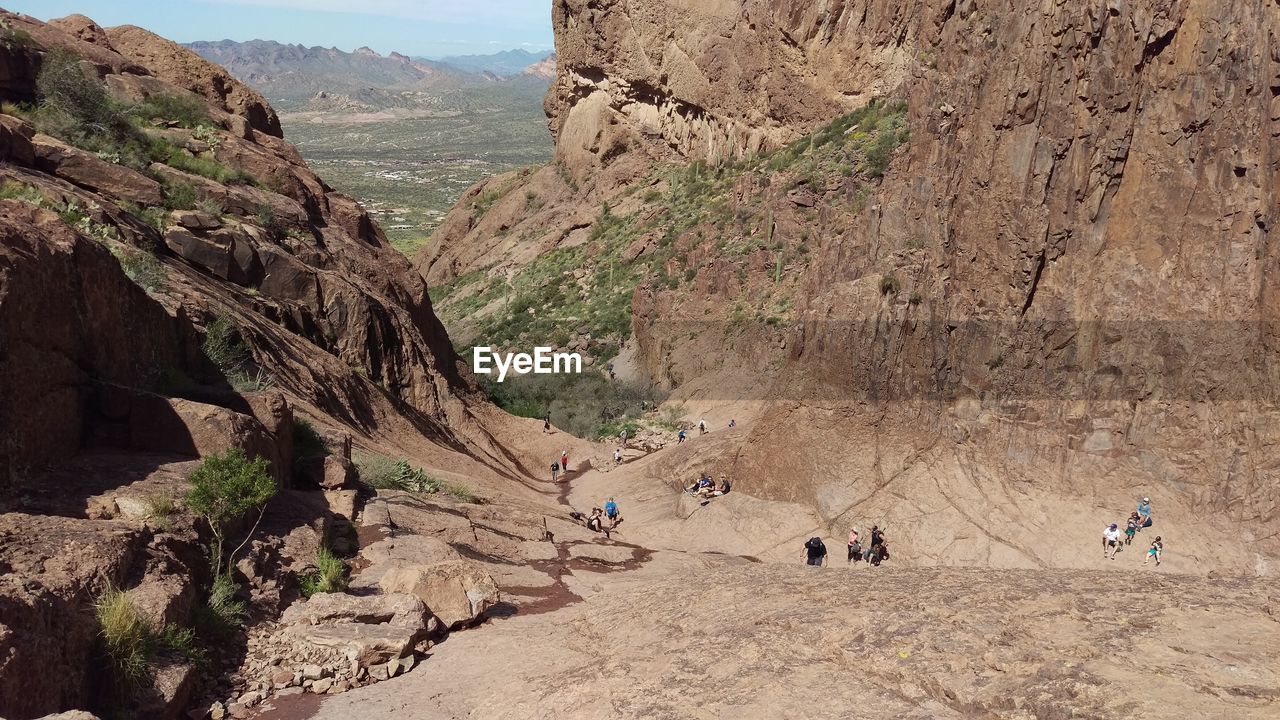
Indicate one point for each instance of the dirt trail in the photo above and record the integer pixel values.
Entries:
(674, 617)
(725, 638)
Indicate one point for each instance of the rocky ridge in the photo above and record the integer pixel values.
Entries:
(1057, 291)
(175, 282)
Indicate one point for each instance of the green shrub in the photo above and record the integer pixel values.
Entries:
(179, 196)
(186, 111)
(142, 267)
(915, 298)
(11, 190)
(307, 443)
(587, 405)
(250, 381)
(888, 285)
(161, 508)
(330, 575)
(127, 637)
(384, 473)
(223, 345)
(221, 614)
(225, 488)
(202, 165)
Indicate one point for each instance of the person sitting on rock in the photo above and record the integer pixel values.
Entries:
(724, 486)
(1155, 551)
(702, 481)
(1144, 513)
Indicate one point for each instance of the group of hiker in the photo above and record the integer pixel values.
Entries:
(876, 552)
(706, 488)
(560, 466)
(1139, 520)
(595, 521)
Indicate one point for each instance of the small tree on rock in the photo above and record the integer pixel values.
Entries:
(226, 487)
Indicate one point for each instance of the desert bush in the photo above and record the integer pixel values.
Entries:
(223, 345)
(161, 508)
(127, 638)
(141, 266)
(186, 111)
(588, 405)
(179, 196)
(307, 442)
(888, 285)
(330, 575)
(222, 613)
(385, 473)
(226, 487)
(11, 190)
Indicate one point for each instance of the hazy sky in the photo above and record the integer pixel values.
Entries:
(413, 27)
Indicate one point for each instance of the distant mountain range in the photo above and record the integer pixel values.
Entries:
(295, 77)
(502, 64)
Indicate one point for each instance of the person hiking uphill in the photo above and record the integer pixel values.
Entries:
(555, 471)
(814, 551)
(702, 427)
(564, 461)
(680, 437)
(546, 423)
(877, 538)
(611, 512)
(855, 548)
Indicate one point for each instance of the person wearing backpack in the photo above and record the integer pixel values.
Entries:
(815, 551)
(855, 548)
(877, 538)
(555, 471)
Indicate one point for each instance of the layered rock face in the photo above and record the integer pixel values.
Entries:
(1060, 294)
(175, 282)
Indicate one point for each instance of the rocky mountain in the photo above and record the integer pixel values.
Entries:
(544, 68)
(175, 283)
(982, 270)
(289, 74)
(502, 64)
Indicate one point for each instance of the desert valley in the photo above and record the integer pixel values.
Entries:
(928, 367)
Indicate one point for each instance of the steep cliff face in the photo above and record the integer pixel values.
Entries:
(175, 282)
(1061, 293)
(219, 219)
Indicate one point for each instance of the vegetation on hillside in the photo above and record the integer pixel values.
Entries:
(381, 472)
(590, 286)
(580, 297)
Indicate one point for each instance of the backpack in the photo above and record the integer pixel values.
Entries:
(555, 467)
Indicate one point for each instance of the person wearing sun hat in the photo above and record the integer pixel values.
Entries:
(1144, 513)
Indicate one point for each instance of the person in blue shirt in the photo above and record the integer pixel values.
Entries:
(1144, 513)
(680, 437)
(611, 511)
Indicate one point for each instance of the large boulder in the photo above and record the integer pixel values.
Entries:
(366, 644)
(399, 609)
(457, 592)
(87, 171)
